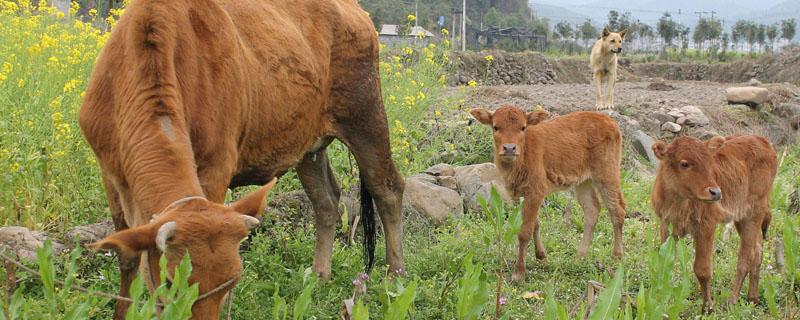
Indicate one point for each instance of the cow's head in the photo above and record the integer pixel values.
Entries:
(612, 41)
(687, 167)
(509, 124)
(209, 232)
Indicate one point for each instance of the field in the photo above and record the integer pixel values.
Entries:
(49, 181)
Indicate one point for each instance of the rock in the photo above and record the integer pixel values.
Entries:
(448, 182)
(787, 110)
(705, 134)
(751, 96)
(434, 202)
(23, 242)
(660, 86)
(441, 170)
(693, 116)
(671, 127)
(676, 114)
(662, 117)
(643, 144)
(474, 180)
(424, 177)
(753, 82)
(92, 232)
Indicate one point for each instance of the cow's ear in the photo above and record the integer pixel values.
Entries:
(253, 204)
(623, 33)
(715, 143)
(535, 117)
(129, 243)
(606, 32)
(660, 149)
(482, 115)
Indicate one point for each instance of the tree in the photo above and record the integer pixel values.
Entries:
(772, 34)
(613, 20)
(588, 32)
(667, 29)
(788, 29)
(563, 30)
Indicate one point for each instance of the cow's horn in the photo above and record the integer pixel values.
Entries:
(165, 232)
(250, 222)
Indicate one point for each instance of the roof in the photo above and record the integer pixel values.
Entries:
(391, 30)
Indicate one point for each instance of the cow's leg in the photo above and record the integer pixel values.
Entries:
(663, 230)
(530, 227)
(587, 197)
(610, 190)
(755, 270)
(750, 235)
(320, 184)
(127, 266)
(598, 91)
(611, 80)
(704, 249)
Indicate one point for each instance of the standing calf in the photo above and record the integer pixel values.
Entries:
(700, 185)
(581, 150)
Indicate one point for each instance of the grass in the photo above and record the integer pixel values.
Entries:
(50, 182)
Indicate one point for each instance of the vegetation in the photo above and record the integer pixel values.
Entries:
(50, 182)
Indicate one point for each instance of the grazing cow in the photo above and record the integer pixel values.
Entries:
(192, 97)
(700, 185)
(581, 150)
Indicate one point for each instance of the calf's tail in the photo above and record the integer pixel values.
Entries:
(368, 223)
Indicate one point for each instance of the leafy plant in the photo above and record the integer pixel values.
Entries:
(398, 308)
(608, 303)
(473, 291)
(665, 296)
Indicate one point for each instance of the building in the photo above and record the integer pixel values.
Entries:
(392, 35)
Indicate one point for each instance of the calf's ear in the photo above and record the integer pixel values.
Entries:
(129, 243)
(715, 143)
(482, 115)
(254, 203)
(660, 149)
(535, 117)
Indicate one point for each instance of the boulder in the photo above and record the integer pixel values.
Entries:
(787, 110)
(23, 242)
(671, 127)
(440, 170)
(693, 117)
(475, 180)
(751, 96)
(643, 144)
(448, 182)
(676, 114)
(91, 232)
(662, 117)
(431, 201)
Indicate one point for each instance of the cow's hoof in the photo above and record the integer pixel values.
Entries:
(581, 254)
(518, 277)
(541, 255)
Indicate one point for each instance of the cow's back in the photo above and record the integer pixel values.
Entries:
(745, 171)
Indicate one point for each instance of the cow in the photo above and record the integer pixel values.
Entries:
(534, 157)
(701, 185)
(191, 97)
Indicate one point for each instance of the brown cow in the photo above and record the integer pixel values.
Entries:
(191, 97)
(581, 150)
(700, 185)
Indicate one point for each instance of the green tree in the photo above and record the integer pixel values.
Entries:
(667, 29)
(613, 20)
(588, 32)
(563, 30)
(788, 29)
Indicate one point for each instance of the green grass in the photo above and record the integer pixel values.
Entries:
(49, 181)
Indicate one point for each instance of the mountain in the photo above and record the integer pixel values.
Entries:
(555, 13)
(784, 10)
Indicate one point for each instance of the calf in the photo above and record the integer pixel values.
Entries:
(535, 158)
(700, 185)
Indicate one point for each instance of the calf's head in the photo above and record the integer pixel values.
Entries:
(508, 124)
(612, 41)
(687, 167)
(209, 232)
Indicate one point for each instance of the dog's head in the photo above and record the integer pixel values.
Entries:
(612, 41)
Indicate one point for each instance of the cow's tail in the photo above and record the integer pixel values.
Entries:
(368, 223)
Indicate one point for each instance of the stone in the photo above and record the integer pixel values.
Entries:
(663, 117)
(787, 110)
(23, 242)
(751, 96)
(671, 127)
(660, 86)
(441, 170)
(705, 134)
(676, 114)
(694, 117)
(431, 201)
(643, 144)
(424, 177)
(474, 180)
(91, 232)
(448, 182)
(753, 82)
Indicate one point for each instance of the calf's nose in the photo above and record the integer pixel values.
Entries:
(509, 148)
(715, 193)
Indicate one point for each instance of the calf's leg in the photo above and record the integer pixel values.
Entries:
(587, 197)
(322, 189)
(530, 227)
(704, 249)
(749, 260)
(610, 190)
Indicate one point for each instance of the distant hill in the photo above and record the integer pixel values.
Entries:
(785, 10)
(555, 13)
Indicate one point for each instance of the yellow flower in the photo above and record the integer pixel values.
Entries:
(489, 58)
(472, 83)
(445, 32)
(437, 114)
(408, 51)
(71, 85)
(392, 99)
(411, 18)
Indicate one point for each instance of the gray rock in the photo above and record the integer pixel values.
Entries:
(753, 82)
(23, 242)
(434, 202)
(675, 114)
(448, 182)
(643, 144)
(705, 134)
(424, 177)
(92, 232)
(474, 180)
(787, 110)
(751, 96)
(441, 170)
(663, 117)
(694, 117)
(671, 127)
